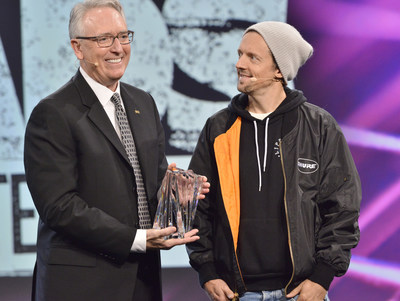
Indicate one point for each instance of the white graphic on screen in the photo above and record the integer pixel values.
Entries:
(184, 53)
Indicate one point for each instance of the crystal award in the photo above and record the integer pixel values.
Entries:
(177, 201)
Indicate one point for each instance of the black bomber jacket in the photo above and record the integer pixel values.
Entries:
(322, 195)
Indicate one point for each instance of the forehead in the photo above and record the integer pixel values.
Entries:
(103, 20)
(253, 42)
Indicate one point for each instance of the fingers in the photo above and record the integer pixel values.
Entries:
(188, 238)
(228, 293)
(160, 233)
(295, 292)
(218, 290)
(156, 238)
(205, 184)
(191, 233)
(172, 166)
(205, 188)
(203, 193)
(181, 241)
(172, 242)
(308, 290)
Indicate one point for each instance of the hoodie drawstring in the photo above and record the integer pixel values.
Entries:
(266, 143)
(258, 151)
(258, 155)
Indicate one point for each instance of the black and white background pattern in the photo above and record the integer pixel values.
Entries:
(184, 53)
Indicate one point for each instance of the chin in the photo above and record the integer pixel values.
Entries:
(116, 75)
(241, 88)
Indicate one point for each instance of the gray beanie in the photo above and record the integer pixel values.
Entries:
(287, 45)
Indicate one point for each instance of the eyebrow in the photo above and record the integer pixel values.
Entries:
(111, 34)
(248, 53)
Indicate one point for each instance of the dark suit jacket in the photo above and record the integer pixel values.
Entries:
(84, 190)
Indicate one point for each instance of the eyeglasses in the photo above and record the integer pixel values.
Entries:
(107, 40)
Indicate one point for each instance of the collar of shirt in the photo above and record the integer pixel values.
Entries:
(260, 116)
(102, 92)
(104, 96)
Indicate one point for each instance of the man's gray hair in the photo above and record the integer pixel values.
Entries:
(81, 8)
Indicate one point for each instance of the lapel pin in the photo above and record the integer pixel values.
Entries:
(137, 112)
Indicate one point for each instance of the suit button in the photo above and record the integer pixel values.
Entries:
(137, 225)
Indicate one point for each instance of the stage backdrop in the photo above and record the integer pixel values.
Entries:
(355, 74)
(184, 54)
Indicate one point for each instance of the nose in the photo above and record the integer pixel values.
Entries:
(116, 46)
(240, 64)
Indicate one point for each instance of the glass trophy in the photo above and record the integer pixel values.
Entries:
(177, 201)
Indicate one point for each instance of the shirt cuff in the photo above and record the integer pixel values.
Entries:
(139, 243)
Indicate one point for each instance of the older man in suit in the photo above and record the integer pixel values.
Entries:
(85, 182)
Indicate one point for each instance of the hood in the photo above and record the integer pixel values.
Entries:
(238, 105)
(293, 99)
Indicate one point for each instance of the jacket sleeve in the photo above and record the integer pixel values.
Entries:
(339, 207)
(200, 252)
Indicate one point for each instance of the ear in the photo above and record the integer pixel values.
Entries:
(278, 73)
(76, 46)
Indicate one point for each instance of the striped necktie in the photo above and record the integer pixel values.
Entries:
(130, 148)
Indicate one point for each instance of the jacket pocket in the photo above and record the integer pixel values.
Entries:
(71, 256)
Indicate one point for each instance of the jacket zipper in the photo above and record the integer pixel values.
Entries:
(287, 217)
(241, 277)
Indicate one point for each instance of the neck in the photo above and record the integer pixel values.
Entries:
(267, 101)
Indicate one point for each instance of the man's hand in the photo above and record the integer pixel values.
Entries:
(308, 291)
(155, 238)
(172, 166)
(205, 187)
(218, 290)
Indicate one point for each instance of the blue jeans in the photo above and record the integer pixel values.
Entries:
(278, 295)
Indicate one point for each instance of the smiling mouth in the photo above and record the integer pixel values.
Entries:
(243, 76)
(114, 61)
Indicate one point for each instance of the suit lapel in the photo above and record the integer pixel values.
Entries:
(135, 113)
(97, 114)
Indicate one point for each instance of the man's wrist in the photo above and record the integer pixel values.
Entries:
(323, 274)
(139, 243)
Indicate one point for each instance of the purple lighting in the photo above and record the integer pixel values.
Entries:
(377, 206)
(370, 139)
(350, 19)
(383, 103)
(354, 73)
(376, 272)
